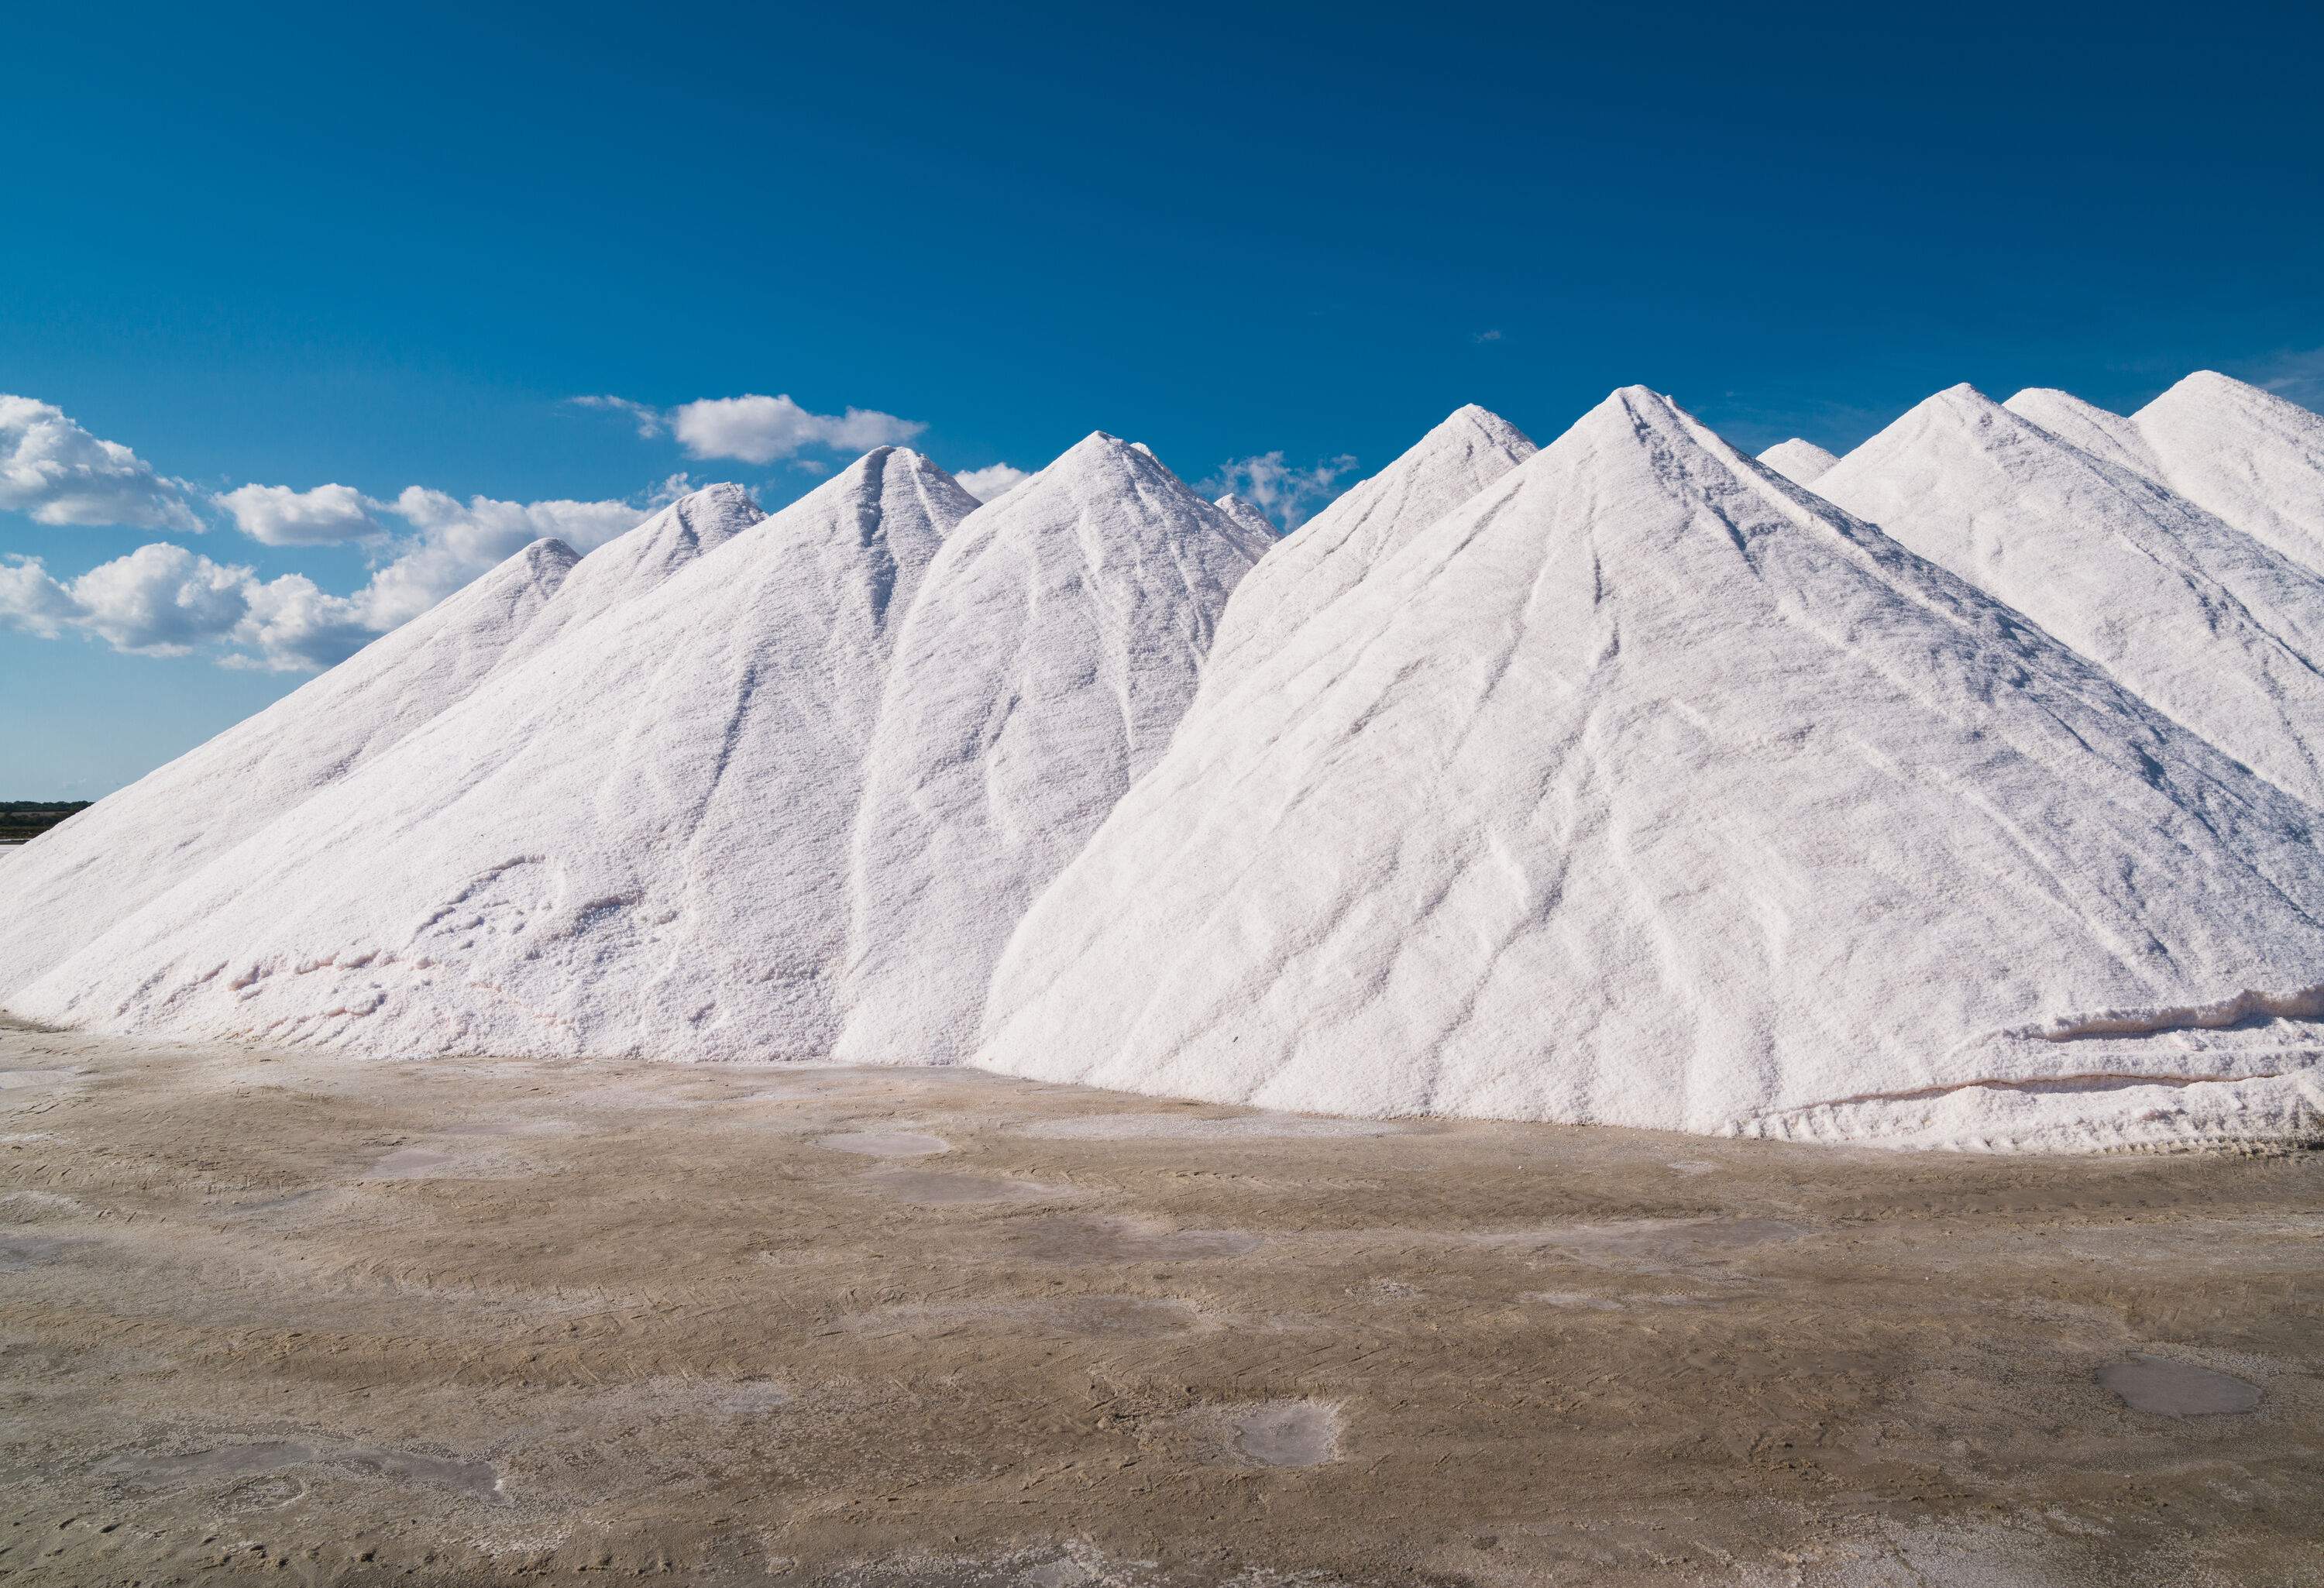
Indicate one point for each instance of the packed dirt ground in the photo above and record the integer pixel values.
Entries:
(325, 1320)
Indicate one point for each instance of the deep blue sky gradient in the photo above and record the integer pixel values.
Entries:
(382, 245)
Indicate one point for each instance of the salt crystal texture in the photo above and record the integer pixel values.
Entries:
(1800, 462)
(1246, 513)
(2248, 456)
(1325, 556)
(2206, 623)
(635, 842)
(1059, 641)
(1648, 789)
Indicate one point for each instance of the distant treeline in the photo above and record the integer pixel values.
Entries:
(28, 818)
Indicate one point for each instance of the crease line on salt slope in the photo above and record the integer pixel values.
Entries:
(2305, 1004)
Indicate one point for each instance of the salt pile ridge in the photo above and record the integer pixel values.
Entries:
(2246, 455)
(2202, 620)
(1247, 514)
(1800, 462)
(72, 882)
(2107, 437)
(634, 842)
(1325, 556)
(1056, 643)
(1648, 789)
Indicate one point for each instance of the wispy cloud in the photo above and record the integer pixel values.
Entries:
(1491, 335)
(56, 473)
(1285, 494)
(758, 428)
(2295, 375)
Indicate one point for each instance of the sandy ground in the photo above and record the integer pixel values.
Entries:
(485, 1323)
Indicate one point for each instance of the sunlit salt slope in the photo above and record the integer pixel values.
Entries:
(1649, 790)
(2246, 455)
(2242, 454)
(80, 879)
(636, 842)
(2203, 621)
(1800, 462)
(1325, 556)
(1058, 639)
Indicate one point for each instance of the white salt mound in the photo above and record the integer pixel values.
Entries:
(1648, 789)
(80, 878)
(1056, 643)
(636, 842)
(1246, 513)
(2246, 455)
(2222, 634)
(1325, 556)
(2108, 436)
(1800, 462)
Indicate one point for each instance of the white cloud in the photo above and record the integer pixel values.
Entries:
(163, 600)
(1284, 493)
(985, 483)
(277, 515)
(32, 600)
(648, 420)
(57, 473)
(458, 541)
(1491, 335)
(291, 625)
(759, 429)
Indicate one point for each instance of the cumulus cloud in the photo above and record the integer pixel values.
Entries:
(985, 483)
(277, 515)
(457, 541)
(57, 473)
(163, 600)
(1285, 494)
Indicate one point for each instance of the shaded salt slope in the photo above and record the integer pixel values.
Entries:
(634, 843)
(1648, 789)
(1246, 513)
(1056, 643)
(74, 881)
(1800, 462)
(1325, 556)
(2248, 456)
(2222, 634)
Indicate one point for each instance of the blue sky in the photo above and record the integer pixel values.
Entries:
(384, 248)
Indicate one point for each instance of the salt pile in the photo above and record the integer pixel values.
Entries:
(1800, 462)
(634, 842)
(1059, 641)
(2207, 623)
(1648, 789)
(2246, 455)
(1325, 556)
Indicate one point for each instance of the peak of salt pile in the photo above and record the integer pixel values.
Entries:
(635, 842)
(1325, 558)
(81, 879)
(1800, 462)
(74, 881)
(1647, 789)
(1056, 643)
(2248, 456)
(1246, 512)
(2204, 622)
(2108, 436)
